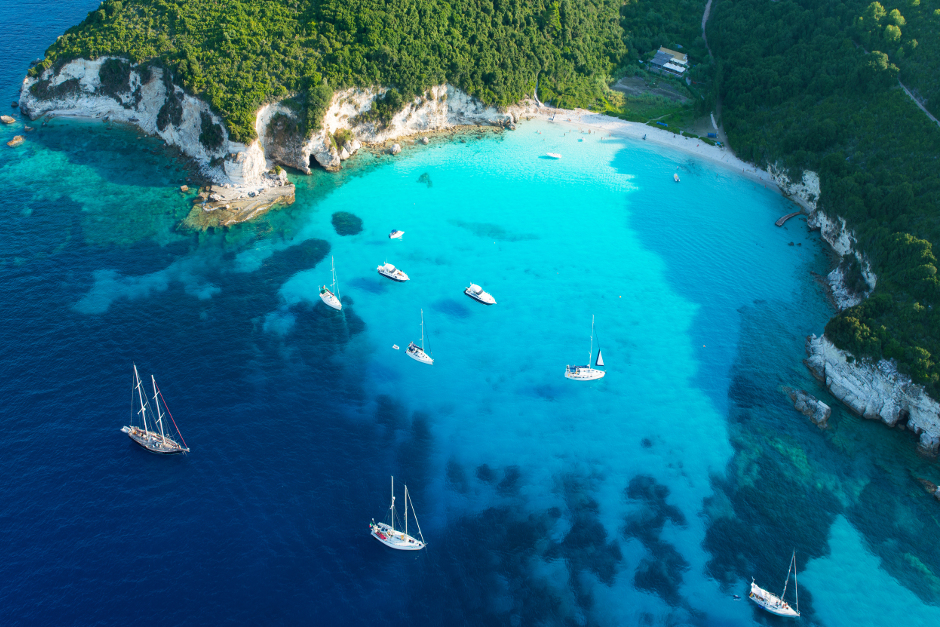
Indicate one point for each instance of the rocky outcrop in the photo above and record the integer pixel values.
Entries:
(395, 149)
(6, 119)
(16, 141)
(441, 107)
(150, 102)
(809, 406)
(876, 391)
(805, 193)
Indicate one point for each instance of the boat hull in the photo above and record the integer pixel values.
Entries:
(330, 299)
(397, 276)
(583, 373)
(484, 298)
(771, 602)
(153, 442)
(419, 355)
(395, 234)
(395, 539)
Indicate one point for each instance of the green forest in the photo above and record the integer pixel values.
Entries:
(807, 84)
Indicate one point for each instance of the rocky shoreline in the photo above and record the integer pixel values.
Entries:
(876, 391)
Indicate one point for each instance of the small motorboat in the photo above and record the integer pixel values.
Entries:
(553, 155)
(395, 346)
(390, 271)
(675, 177)
(476, 293)
(395, 234)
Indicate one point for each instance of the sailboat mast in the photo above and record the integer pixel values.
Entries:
(422, 329)
(156, 402)
(140, 395)
(393, 503)
(796, 584)
(406, 510)
(785, 583)
(591, 354)
(333, 270)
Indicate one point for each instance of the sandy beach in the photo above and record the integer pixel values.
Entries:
(582, 120)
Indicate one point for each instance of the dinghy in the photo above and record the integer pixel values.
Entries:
(675, 177)
(771, 602)
(587, 373)
(395, 234)
(394, 538)
(553, 155)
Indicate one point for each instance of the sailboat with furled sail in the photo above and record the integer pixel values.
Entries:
(587, 373)
(774, 604)
(331, 296)
(146, 428)
(417, 352)
(395, 538)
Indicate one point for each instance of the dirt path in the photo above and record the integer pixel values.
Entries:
(911, 96)
(708, 9)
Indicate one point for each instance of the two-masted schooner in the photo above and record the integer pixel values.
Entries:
(396, 538)
(146, 426)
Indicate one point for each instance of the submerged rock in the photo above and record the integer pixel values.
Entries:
(810, 406)
(347, 223)
(16, 141)
(395, 149)
(425, 141)
(6, 119)
(184, 188)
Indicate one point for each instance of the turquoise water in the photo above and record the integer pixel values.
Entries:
(648, 497)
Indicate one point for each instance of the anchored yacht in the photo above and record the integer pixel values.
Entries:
(331, 296)
(395, 234)
(417, 352)
(390, 271)
(149, 432)
(587, 373)
(476, 293)
(771, 602)
(395, 538)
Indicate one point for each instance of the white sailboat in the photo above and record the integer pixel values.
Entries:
(587, 373)
(154, 438)
(331, 296)
(395, 538)
(774, 604)
(417, 352)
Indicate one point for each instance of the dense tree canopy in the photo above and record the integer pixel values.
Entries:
(239, 54)
(805, 83)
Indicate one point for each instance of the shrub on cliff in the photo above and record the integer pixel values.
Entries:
(210, 133)
(115, 77)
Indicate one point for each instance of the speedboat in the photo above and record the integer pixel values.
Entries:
(395, 234)
(675, 177)
(476, 293)
(553, 155)
(390, 271)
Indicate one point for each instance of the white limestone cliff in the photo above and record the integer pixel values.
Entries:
(439, 108)
(233, 162)
(876, 391)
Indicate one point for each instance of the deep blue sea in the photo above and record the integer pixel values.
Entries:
(650, 497)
